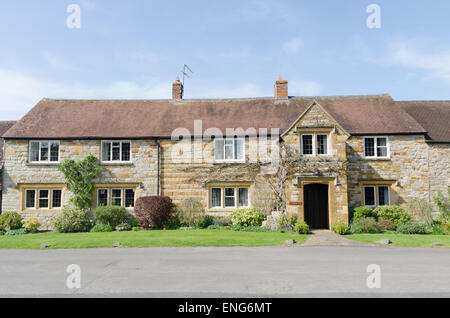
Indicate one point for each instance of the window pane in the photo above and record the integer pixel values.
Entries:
(129, 198)
(116, 151)
(126, 150)
(43, 198)
(239, 149)
(369, 147)
(116, 197)
(106, 151)
(229, 197)
(44, 151)
(243, 197)
(322, 144)
(216, 197)
(56, 198)
(218, 149)
(34, 151)
(54, 151)
(307, 144)
(383, 195)
(102, 198)
(30, 198)
(369, 196)
(381, 147)
(229, 154)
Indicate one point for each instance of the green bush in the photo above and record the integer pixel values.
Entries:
(412, 228)
(395, 213)
(287, 221)
(247, 217)
(2, 232)
(250, 228)
(123, 227)
(218, 227)
(173, 223)
(339, 228)
(72, 220)
(17, 232)
(137, 228)
(363, 212)
(10, 221)
(133, 222)
(102, 228)
(364, 225)
(438, 229)
(386, 225)
(222, 221)
(31, 224)
(112, 215)
(204, 222)
(190, 211)
(301, 228)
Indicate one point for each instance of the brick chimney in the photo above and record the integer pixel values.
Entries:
(177, 89)
(281, 89)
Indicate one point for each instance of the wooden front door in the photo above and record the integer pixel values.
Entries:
(316, 205)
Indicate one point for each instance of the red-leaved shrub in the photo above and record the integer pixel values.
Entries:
(154, 211)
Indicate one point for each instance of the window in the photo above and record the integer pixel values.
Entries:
(116, 151)
(44, 151)
(307, 144)
(230, 149)
(322, 144)
(376, 195)
(116, 196)
(229, 197)
(102, 197)
(30, 199)
(314, 144)
(376, 147)
(56, 198)
(43, 199)
(129, 198)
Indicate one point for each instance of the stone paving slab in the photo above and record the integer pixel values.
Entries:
(329, 238)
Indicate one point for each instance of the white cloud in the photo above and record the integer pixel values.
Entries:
(406, 55)
(304, 88)
(292, 45)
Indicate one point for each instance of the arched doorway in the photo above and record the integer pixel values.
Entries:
(316, 205)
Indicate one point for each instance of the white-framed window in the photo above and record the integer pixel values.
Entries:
(376, 147)
(42, 198)
(116, 151)
(229, 197)
(316, 144)
(44, 151)
(116, 196)
(229, 149)
(376, 195)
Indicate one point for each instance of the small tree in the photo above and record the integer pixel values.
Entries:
(79, 176)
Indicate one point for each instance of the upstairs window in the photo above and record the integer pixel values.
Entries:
(229, 149)
(116, 151)
(376, 147)
(314, 144)
(44, 151)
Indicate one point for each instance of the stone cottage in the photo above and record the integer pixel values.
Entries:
(321, 156)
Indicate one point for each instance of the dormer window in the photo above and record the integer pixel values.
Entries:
(314, 144)
(376, 147)
(229, 149)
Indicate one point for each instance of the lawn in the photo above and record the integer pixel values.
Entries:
(149, 239)
(411, 240)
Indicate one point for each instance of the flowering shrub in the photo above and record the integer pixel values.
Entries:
(72, 220)
(395, 213)
(301, 228)
(154, 211)
(247, 217)
(339, 228)
(31, 224)
(10, 221)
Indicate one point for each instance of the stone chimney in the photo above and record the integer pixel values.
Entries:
(177, 89)
(281, 89)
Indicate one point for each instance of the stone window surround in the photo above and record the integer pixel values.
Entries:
(234, 150)
(375, 156)
(46, 162)
(315, 131)
(115, 186)
(377, 183)
(116, 162)
(41, 186)
(222, 186)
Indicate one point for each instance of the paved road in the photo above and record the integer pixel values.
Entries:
(314, 271)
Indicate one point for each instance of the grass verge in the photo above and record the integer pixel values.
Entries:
(404, 240)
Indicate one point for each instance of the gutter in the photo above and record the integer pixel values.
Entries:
(158, 167)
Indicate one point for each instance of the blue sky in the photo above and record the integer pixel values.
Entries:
(135, 49)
